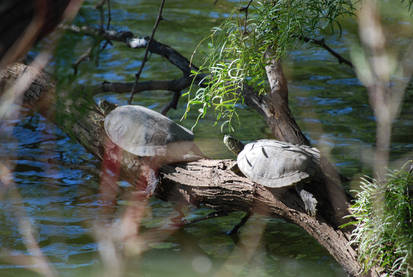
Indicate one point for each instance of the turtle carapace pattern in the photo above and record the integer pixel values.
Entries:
(278, 164)
(151, 136)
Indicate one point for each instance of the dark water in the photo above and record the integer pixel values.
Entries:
(58, 181)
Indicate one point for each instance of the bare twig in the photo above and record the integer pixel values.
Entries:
(155, 47)
(321, 43)
(245, 9)
(100, 6)
(169, 53)
(109, 15)
(88, 53)
(145, 58)
(83, 57)
(173, 104)
(95, 32)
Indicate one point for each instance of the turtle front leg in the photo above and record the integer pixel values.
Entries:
(148, 179)
(153, 181)
(310, 203)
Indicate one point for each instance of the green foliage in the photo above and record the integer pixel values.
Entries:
(384, 223)
(408, 2)
(237, 48)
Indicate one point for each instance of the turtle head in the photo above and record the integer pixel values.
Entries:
(233, 144)
(106, 107)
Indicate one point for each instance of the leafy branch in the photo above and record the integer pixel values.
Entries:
(236, 49)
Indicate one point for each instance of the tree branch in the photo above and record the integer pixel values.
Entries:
(172, 104)
(168, 85)
(155, 47)
(86, 55)
(321, 43)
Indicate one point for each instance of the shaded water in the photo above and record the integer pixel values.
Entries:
(58, 180)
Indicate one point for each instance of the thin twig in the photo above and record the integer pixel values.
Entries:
(88, 53)
(246, 9)
(99, 6)
(173, 104)
(83, 57)
(107, 42)
(321, 43)
(109, 15)
(158, 19)
(246, 14)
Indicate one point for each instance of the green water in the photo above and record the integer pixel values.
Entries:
(58, 181)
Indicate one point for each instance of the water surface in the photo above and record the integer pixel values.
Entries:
(58, 181)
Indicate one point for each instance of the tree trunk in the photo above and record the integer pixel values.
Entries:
(273, 106)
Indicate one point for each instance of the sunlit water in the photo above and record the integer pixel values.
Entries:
(58, 181)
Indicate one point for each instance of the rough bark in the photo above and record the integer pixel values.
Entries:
(210, 183)
(206, 182)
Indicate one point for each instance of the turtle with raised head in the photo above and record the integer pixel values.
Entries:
(278, 164)
(153, 137)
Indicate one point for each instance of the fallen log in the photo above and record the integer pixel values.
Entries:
(208, 183)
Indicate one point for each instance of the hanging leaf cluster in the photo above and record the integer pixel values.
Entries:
(235, 52)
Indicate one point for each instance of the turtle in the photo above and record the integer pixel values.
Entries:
(151, 136)
(276, 164)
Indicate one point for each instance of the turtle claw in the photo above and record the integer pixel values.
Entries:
(147, 181)
(310, 203)
(152, 180)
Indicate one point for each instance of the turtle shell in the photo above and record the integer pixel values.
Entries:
(277, 164)
(144, 132)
